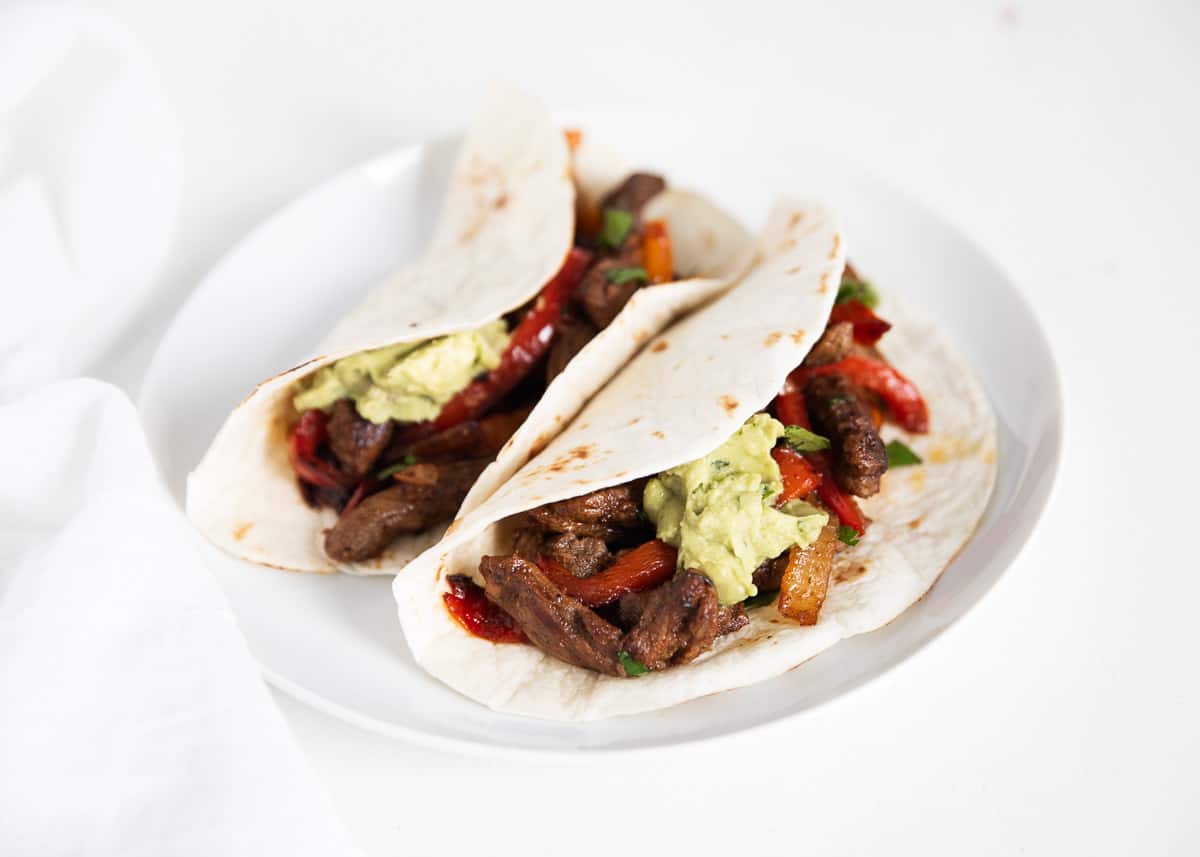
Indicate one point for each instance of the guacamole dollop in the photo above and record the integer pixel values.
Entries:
(719, 510)
(408, 382)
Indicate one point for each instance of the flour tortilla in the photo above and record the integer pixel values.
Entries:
(678, 400)
(506, 226)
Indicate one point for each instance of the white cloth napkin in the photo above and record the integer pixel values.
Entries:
(88, 187)
(133, 720)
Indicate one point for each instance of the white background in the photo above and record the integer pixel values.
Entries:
(1061, 715)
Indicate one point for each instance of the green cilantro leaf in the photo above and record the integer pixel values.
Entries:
(848, 535)
(392, 470)
(615, 228)
(899, 455)
(621, 276)
(857, 290)
(760, 600)
(802, 440)
(632, 668)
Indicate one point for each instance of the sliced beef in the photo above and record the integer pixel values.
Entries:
(583, 556)
(679, 620)
(836, 411)
(318, 495)
(553, 621)
(601, 299)
(573, 334)
(356, 442)
(730, 617)
(527, 543)
(767, 576)
(835, 343)
(364, 532)
(633, 193)
(604, 514)
(464, 440)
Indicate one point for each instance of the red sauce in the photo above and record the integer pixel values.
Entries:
(471, 608)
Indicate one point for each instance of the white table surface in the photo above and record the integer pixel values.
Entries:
(1061, 715)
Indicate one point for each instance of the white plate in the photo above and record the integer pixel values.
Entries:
(334, 641)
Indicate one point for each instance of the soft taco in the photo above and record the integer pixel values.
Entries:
(454, 371)
(778, 471)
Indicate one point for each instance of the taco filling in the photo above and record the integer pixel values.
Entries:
(647, 575)
(394, 438)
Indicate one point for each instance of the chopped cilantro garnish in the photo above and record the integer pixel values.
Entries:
(720, 464)
(632, 668)
(899, 455)
(392, 470)
(615, 228)
(802, 440)
(759, 600)
(766, 490)
(621, 276)
(848, 534)
(857, 290)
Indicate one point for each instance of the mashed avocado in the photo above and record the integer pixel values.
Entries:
(408, 382)
(719, 511)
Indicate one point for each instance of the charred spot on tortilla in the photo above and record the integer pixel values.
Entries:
(837, 245)
(659, 347)
(795, 269)
(729, 403)
(501, 201)
(914, 523)
(795, 220)
(635, 421)
(239, 532)
(798, 336)
(786, 244)
(658, 435)
(850, 573)
(773, 337)
(824, 287)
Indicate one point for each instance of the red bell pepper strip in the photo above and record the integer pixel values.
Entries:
(529, 342)
(302, 450)
(470, 607)
(789, 404)
(901, 396)
(799, 477)
(646, 565)
(838, 501)
(790, 409)
(868, 327)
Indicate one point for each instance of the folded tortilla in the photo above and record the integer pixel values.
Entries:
(506, 225)
(679, 399)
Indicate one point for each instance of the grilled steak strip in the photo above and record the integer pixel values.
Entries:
(602, 300)
(835, 343)
(583, 556)
(366, 530)
(730, 617)
(836, 411)
(356, 442)
(555, 622)
(573, 334)
(605, 514)
(632, 194)
(679, 620)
